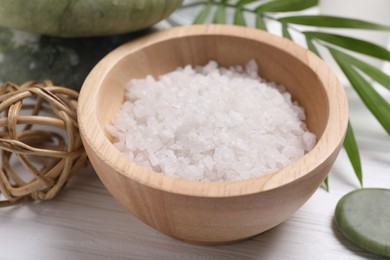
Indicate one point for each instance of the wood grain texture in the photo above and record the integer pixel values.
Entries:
(213, 213)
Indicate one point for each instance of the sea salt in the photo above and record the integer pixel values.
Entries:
(211, 124)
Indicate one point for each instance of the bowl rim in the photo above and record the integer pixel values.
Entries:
(327, 146)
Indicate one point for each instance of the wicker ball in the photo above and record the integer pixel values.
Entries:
(40, 145)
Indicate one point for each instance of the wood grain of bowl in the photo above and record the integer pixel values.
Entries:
(213, 212)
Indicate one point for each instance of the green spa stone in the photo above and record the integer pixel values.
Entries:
(363, 217)
(81, 18)
(66, 61)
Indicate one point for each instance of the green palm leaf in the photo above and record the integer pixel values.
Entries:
(371, 71)
(353, 44)
(333, 22)
(260, 22)
(312, 47)
(286, 34)
(352, 150)
(239, 18)
(286, 5)
(370, 97)
(244, 2)
(220, 14)
(325, 183)
(203, 14)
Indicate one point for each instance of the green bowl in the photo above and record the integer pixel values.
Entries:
(67, 18)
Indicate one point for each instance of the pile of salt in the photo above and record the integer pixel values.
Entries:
(211, 124)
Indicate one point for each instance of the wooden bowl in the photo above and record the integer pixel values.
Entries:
(213, 212)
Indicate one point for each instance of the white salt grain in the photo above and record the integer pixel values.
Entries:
(211, 124)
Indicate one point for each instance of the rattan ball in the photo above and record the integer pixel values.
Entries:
(40, 145)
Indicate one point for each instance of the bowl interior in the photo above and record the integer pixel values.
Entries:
(275, 64)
